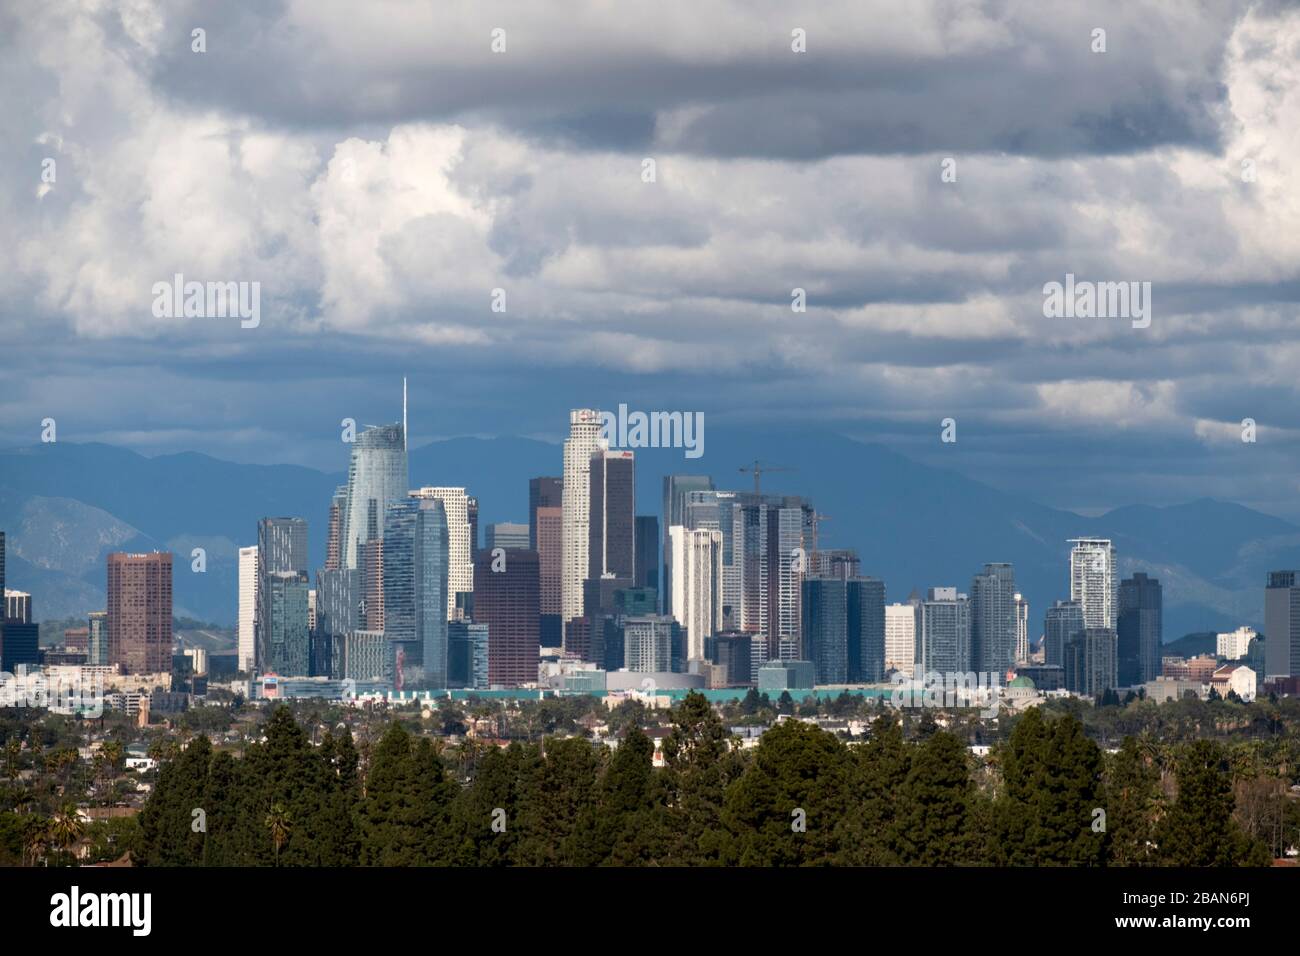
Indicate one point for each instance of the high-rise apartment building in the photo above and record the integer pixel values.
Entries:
(1022, 629)
(1282, 624)
(826, 628)
(140, 612)
(334, 536)
(1090, 661)
(281, 549)
(97, 639)
(246, 646)
(993, 619)
(508, 602)
(1234, 645)
(584, 439)
(1061, 624)
(543, 492)
(460, 568)
(648, 643)
(697, 586)
(945, 625)
(1094, 581)
(1139, 630)
(900, 638)
(866, 614)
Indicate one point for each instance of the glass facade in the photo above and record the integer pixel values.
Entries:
(416, 554)
(376, 476)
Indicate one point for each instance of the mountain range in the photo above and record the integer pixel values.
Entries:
(64, 506)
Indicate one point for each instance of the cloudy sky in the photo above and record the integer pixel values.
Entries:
(381, 174)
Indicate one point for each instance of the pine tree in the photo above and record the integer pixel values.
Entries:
(1199, 829)
(930, 827)
(1132, 805)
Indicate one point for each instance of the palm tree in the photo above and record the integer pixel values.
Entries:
(13, 753)
(280, 826)
(37, 838)
(66, 827)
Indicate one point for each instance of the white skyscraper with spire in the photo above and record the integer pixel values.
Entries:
(584, 438)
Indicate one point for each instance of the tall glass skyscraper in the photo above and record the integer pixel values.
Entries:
(416, 564)
(1062, 623)
(993, 619)
(1140, 630)
(377, 476)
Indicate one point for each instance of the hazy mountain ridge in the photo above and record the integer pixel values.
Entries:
(914, 525)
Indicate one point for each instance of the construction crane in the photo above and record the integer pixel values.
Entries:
(818, 518)
(759, 470)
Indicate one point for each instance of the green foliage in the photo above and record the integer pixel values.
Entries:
(1199, 829)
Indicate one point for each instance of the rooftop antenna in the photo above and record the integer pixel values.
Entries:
(404, 440)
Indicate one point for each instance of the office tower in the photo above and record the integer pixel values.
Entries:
(647, 552)
(636, 602)
(648, 643)
(1090, 661)
(377, 475)
(4, 600)
(697, 585)
(866, 641)
(507, 534)
(338, 610)
(17, 607)
(20, 646)
(900, 638)
(97, 642)
(1139, 630)
(584, 438)
(76, 638)
(993, 619)
(140, 612)
(1063, 621)
(1022, 629)
(611, 525)
(370, 576)
(549, 520)
(1094, 581)
(282, 544)
(733, 651)
(508, 602)
(826, 628)
(716, 511)
(283, 635)
(843, 628)
(676, 488)
(247, 634)
(840, 563)
(460, 569)
(542, 493)
(281, 549)
(334, 537)
(467, 655)
(598, 594)
(471, 515)
(1282, 624)
(944, 632)
(417, 544)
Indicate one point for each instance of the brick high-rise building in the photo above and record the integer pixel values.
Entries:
(507, 601)
(140, 612)
(550, 568)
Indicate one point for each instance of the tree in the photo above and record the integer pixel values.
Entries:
(877, 772)
(555, 792)
(699, 764)
(784, 809)
(620, 828)
(929, 829)
(1199, 829)
(1132, 804)
(280, 825)
(1052, 785)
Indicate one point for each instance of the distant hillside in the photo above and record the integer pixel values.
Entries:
(66, 505)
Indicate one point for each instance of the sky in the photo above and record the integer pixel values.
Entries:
(380, 174)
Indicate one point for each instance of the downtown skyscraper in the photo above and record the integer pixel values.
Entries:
(416, 581)
(993, 619)
(611, 507)
(696, 599)
(460, 567)
(1139, 630)
(140, 612)
(584, 438)
(377, 476)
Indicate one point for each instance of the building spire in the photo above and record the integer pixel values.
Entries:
(404, 442)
